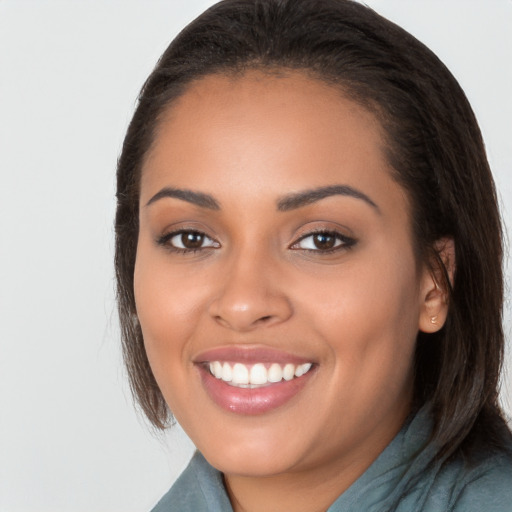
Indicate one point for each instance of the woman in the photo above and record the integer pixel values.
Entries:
(309, 267)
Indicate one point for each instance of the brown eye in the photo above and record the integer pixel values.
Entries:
(192, 240)
(188, 240)
(324, 241)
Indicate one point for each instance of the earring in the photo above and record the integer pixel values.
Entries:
(433, 319)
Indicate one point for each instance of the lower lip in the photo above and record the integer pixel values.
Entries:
(251, 401)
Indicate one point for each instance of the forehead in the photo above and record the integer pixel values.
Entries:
(265, 97)
(265, 134)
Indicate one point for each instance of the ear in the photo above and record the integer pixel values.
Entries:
(438, 277)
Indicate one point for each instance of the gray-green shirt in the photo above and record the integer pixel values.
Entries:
(401, 479)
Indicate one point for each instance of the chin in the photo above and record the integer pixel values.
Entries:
(249, 463)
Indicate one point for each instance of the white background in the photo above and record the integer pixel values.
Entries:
(70, 71)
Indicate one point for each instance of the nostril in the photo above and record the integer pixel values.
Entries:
(253, 310)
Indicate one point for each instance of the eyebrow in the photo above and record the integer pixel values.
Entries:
(197, 198)
(300, 199)
(286, 203)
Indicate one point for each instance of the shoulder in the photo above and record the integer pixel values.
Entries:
(185, 493)
(460, 487)
(483, 483)
(198, 489)
(486, 487)
(476, 480)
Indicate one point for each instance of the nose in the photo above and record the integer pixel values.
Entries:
(250, 294)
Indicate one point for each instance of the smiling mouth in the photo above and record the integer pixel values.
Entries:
(257, 375)
(253, 380)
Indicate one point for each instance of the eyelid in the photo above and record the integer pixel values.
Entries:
(165, 240)
(182, 232)
(342, 242)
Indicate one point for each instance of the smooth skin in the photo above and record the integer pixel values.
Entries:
(241, 271)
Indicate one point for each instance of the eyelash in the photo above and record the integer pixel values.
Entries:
(166, 241)
(342, 242)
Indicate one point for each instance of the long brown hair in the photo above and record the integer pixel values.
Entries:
(434, 146)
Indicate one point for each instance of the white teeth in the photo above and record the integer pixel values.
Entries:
(288, 372)
(227, 373)
(275, 373)
(240, 375)
(258, 374)
(302, 369)
(217, 369)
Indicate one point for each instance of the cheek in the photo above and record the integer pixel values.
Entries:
(167, 305)
(368, 311)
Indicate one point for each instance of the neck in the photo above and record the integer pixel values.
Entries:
(284, 492)
(313, 488)
(310, 490)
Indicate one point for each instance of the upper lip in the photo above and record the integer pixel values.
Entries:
(249, 355)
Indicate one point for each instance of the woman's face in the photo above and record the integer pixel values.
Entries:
(273, 242)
